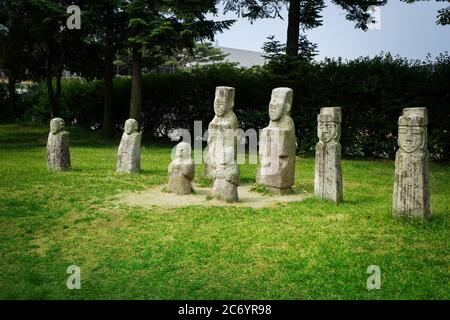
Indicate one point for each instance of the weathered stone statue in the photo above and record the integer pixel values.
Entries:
(277, 145)
(222, 130)
(58, 154)
(129, 153)
(328, 173)
(412, 184)
(181, 170)
(226, 176)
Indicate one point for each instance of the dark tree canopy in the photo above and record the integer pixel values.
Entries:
(161, 26)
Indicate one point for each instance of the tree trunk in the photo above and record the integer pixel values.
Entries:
(58, 92)
(108, 111)
(54, 97)
(11, 96)
(108, 108)
(51, 96)
(136, 84)
(293, 31)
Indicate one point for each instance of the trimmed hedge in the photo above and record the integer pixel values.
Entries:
(371, 93)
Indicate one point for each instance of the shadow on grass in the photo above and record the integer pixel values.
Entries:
(153, 172)
(436, 218)
(246, 180)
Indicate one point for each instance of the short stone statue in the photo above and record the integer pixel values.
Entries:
(226, 176)
(412, 183)
(58, 154)
(222, 130)
(181, 170)
(328, 173)
(277, 145)
(129, 153)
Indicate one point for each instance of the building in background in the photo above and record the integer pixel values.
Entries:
(245, 58)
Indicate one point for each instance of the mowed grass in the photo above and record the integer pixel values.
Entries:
(302, 250)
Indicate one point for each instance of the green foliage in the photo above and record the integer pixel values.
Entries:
(162, 26)
(356, 11)
(3, 93)
(203, 52)
(371, 92)
(276, 51)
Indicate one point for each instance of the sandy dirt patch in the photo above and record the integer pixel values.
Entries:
(157, 197)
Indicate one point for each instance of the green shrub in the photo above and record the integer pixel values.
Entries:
(371, 92)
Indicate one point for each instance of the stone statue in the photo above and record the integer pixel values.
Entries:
(181, 170)
(412, 184)
(129, 153)
(276, 170)
(58, 154)
(222, 130)
(328, 173)
(226, 176)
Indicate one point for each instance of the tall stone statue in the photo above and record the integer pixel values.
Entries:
(222, 130)
(181, 170)
(412, 184)
(328, 173)
(58, 154)
(129, 153)
(226, 176)
(276, 170)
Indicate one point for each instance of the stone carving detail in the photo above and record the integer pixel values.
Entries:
(277, 145)
(328, 173)
(129, 153)
(226, 176)
(222, 129)
(181, 170)
(411, 185)
(58, 154)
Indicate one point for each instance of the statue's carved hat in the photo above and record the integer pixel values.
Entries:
(413, 117)
(330, 114)
(227, 93)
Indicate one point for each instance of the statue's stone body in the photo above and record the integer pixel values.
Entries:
(411, 185)
(226, 176)
(129, 153)
(276, 170)
(222, 129)
(181, 170)
(58, 154)
(328, 173)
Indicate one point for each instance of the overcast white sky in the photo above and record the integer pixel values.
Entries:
(409, 30)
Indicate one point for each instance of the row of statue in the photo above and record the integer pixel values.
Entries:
(277, 150)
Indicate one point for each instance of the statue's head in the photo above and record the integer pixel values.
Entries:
(56, 125)
(131, 126)
(329, 124)
(224, 100)
(280, 103)
(183, 150)
(412, 133)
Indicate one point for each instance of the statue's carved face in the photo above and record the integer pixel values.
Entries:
(56, 125)
(222, 105)
(327, 131)
(410, 139)
(131, 126)
(277, 108)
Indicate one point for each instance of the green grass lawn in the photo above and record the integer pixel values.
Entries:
(301, 250)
